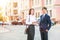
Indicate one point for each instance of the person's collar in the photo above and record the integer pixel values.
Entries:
(44, 14)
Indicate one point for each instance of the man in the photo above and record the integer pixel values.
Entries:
(45, 24)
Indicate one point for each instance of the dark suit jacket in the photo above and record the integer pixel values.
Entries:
(45, 23)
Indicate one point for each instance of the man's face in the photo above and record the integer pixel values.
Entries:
(44, 11)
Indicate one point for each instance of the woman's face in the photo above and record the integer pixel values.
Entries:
(32, 12)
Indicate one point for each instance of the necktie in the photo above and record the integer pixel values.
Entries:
(42, 17)
(29, 18)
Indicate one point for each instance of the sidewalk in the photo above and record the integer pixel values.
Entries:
(16, 32)
(3, 30)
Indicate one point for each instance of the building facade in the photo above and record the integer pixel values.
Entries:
(21, 7)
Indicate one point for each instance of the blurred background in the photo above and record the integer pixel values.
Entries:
(13, 16)
(15, 11)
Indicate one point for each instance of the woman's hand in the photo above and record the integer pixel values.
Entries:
(35, 23)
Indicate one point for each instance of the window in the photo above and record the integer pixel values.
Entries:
(15, 4)
(36, 3)
(15, 11)
(51, 13)
(48, 2)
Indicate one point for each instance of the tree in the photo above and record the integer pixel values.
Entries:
(1, 17)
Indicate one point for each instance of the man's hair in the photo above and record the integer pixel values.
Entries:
(44, 8)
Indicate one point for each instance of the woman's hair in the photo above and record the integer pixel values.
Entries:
(30, 11)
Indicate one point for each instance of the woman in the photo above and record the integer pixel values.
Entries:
(31, 22)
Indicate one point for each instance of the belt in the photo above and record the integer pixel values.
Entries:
(42, 30)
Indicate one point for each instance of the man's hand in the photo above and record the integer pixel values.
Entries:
(35, 23)
(46, 30)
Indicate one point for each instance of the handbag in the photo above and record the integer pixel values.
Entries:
(27, 29)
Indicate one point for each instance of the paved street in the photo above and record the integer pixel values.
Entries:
(16, 32)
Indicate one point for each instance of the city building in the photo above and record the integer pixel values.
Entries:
(16, 8)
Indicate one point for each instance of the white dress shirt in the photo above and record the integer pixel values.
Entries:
(30, 19)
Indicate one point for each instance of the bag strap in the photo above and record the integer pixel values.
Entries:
(28, 21)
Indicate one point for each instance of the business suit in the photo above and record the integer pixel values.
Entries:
(45, 24)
